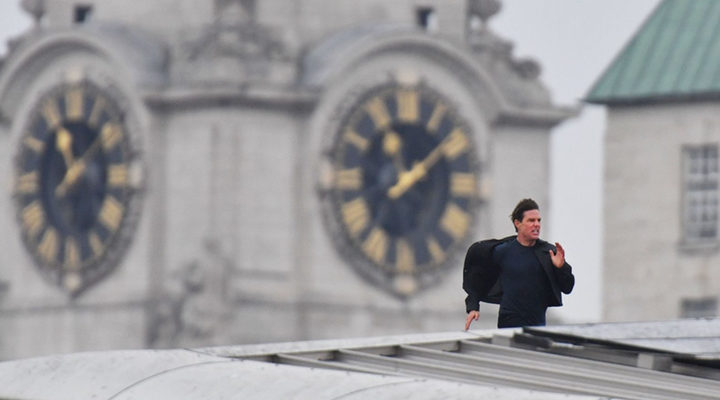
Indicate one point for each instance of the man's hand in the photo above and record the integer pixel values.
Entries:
(472, 316)
(558, 257)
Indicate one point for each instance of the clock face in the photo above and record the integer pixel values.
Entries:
(403, 186)
(76, 175)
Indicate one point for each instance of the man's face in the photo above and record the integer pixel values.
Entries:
(528, 229)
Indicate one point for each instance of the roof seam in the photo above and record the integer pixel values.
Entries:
(686, 49)
(695, 77)
(655, 52)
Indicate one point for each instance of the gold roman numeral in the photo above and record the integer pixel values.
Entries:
(455, 221)
(111, 213)
(436, 117)
(455, 144)
(376, 244)
(378, 112)
(74, 104)
(349, 179)
(462, 184)
(27, 183)
(34, 144)
(356, 139)
(97, 109)
(355, 215)
(408, 105)
(96, 244)
(404, 256)
(33, 218)
(118, 175)
(72, 281)
(110, 134)
(72, 254)
(48, 247)
(436, 251)
(51, 114)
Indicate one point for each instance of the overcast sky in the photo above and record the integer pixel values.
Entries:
(574, 41)
(12, 21)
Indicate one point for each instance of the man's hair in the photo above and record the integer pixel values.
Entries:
(521, 207)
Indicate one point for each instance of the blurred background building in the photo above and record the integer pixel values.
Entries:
(184, 173)
(661, 177)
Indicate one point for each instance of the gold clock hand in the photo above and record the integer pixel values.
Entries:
(71, 176)
(77, 168)
(391, 146)
(63, 142)
(407, 179)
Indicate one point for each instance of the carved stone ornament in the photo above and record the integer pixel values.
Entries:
(235, 33)
(192, 303)
(36, 8)
(517, 78)
(483, 9)
(234, 49)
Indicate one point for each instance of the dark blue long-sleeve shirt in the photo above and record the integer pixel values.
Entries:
(526, 288)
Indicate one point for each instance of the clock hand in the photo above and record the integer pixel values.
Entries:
(391, 146)
(77, 168)
(418, 171)
(63, 142)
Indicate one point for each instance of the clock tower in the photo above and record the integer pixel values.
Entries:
(237, 171)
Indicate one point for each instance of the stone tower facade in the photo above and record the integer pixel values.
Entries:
(183, 173)
(661, 216)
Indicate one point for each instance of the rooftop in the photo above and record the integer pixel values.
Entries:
(648, 360)
(674, 56)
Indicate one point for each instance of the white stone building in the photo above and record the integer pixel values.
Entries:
(661, 239)
(191, 172)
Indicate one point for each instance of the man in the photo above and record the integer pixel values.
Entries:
(522, 273)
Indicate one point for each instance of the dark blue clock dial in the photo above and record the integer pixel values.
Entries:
(74, 183)
(405, 184)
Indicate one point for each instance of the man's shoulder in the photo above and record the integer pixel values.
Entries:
(495, 242)
(504, 244)
(484, 248)
(543, 245)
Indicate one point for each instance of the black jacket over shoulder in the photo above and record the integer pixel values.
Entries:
(481, 276)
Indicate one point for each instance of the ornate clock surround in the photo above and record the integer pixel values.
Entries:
(396, 260)
(79, 178)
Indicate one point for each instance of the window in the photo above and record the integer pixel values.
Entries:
(82, 13)
(698, 308)
(700, 203)
(427, 19)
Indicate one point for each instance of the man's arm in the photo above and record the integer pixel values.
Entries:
(472, 281)
(480, 277)
(471, 277)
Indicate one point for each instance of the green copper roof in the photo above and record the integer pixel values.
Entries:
(674, 56)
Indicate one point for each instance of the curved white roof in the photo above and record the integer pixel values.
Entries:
(572, 362)
(188, 375)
